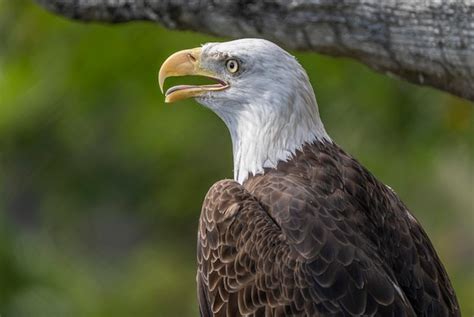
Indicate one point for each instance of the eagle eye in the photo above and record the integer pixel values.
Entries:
(232, 65)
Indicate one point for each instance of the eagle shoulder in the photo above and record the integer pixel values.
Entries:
(234, 237)
(294, 257)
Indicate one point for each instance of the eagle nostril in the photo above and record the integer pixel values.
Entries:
(191, 57)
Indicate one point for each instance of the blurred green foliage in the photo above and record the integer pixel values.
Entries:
(101, 182)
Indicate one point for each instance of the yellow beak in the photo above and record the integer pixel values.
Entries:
(186, 63)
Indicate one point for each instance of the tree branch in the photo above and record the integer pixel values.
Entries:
(428, 42)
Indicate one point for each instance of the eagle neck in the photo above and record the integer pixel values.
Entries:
(263, 136)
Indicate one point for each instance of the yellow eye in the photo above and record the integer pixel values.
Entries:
(232, 65)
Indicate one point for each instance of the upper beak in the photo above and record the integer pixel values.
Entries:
(183, 63)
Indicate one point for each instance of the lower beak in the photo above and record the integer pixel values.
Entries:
(186, 63)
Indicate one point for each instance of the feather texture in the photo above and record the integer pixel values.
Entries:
(316, 236)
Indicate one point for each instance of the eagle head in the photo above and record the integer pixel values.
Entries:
(261, 93)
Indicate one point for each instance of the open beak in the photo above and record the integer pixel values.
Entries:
(186, 63)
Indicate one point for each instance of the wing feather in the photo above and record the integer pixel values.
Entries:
(323, 238)
(291, 265)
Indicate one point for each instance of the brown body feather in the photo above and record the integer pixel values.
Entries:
(317, 236)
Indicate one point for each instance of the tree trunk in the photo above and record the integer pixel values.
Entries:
(428, 42)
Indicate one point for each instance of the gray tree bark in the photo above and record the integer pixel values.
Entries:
(428, 42)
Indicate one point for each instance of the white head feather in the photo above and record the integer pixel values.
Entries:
(270, 108)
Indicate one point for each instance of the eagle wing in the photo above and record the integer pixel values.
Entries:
(417, 267)
(297, 256)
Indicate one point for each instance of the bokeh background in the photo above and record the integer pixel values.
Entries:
(101, 183)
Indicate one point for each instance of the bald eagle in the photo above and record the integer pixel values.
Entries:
(303, 229)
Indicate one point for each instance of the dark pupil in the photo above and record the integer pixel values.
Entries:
(231, 65)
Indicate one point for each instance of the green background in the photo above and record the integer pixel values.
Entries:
(101, 183)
